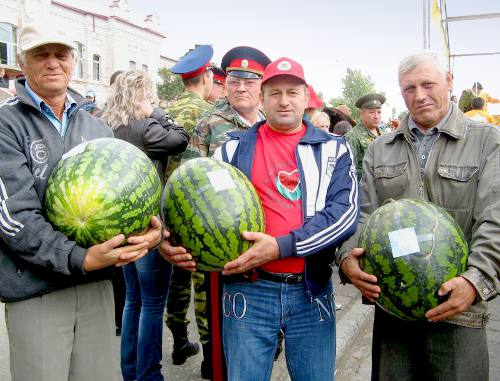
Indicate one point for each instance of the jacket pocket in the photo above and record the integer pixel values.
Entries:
(391, 181)
(457, 180)
(458, 173)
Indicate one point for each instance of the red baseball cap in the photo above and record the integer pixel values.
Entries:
(284, 66)
(314, 100)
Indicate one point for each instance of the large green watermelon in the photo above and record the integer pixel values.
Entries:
(206, 205)
(102, 188)
(413, 247)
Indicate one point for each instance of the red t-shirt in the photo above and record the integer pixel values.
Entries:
(276, 178)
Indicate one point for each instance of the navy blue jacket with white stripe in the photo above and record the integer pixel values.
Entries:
(329, 196)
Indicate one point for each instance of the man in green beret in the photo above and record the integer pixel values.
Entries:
(367, 129)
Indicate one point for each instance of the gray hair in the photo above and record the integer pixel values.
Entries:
(341, 128)
(409, 63)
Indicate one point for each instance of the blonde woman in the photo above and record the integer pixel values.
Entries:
(132, 117)
(321, 120)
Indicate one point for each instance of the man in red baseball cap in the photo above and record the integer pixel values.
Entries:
(283, 282)
(244, 67)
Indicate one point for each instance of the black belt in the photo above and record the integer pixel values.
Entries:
(253, 275)
(289, 278)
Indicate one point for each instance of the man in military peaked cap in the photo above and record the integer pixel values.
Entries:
(244, 67)
(367, 130)
(195, 70)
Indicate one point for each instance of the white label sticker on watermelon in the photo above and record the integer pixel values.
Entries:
(221, 180)
(75, 150)
(404, 242)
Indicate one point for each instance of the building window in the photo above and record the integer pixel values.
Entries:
(8, 44)
(96, 65)
(132, 65)
(145, 68)
(78, 73)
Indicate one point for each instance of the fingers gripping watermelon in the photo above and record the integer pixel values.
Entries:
(207, 204)
(413, 247)
(102, 188)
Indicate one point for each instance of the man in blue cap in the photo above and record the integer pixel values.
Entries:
(244, 67)
(196, 73)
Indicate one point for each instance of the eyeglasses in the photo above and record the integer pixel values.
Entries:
(248, 83)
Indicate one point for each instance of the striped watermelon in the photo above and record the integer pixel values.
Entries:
(102, 188)
(206, 205)
(413, 247)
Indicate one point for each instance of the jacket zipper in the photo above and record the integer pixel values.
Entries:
(421, 186)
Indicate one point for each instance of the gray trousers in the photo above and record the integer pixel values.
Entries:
(64, 335)
(416, 351)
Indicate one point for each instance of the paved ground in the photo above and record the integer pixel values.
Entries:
(347, 319)
(356, 365)
(353, 344)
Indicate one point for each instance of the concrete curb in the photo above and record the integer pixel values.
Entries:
(349, 325)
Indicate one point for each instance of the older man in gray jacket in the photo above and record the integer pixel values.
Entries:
(437, 155)
(59, 299)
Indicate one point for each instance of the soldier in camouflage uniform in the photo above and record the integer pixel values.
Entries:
(367, 130)
(197, 77)
(240, 110)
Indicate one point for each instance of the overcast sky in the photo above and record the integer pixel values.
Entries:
(328, 36)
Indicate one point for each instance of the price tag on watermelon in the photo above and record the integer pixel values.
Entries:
(221, 180)
(404, 242)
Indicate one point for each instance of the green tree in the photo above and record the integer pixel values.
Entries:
(393, 113)
(354, 85)
(171, 85)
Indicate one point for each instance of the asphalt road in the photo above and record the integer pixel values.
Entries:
(354, 366)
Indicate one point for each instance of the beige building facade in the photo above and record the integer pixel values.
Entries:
(106, 38)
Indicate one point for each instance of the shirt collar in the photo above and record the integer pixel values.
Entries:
(69, 105)
(415, 130)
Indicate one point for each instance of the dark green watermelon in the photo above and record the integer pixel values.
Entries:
(207, 204)
(412, 247)
(102, 188)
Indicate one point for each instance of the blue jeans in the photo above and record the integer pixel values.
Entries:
(147, 283)
(254, 313)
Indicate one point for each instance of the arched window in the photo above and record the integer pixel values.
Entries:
(96, 65)
(8, 44)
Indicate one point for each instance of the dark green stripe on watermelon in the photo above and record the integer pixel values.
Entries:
(208, 222)
(410, 283)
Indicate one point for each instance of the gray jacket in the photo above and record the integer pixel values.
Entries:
(462, 176)
(34, 258)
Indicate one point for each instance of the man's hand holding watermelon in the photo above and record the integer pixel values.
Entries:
(461, 295)
(177, 255)
(364, 282)
(114, 253)
(265, 249)
(461, 292)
